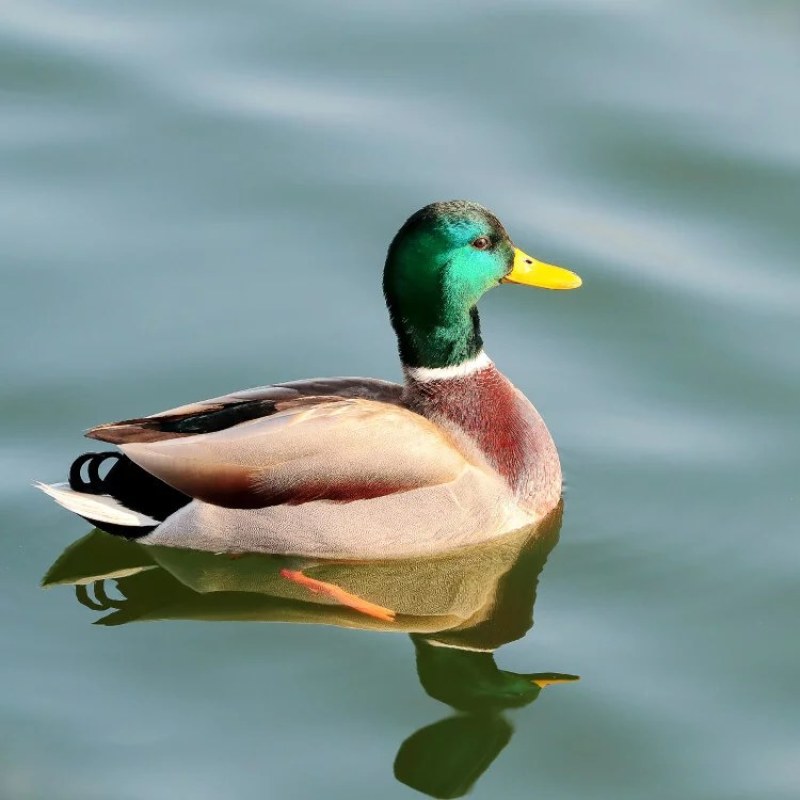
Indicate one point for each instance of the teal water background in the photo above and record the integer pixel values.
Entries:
(197, 197)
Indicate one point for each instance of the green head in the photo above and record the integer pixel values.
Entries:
(440, 263)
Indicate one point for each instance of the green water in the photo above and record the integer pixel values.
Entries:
(196, 197)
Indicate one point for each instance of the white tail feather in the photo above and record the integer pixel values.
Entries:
(99, 507)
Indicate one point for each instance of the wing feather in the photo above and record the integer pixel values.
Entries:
(311, 448)
(218, 413)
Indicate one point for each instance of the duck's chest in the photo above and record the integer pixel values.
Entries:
(500, 422)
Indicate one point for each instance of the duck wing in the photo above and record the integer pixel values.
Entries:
(195, 419)
(278, 445)
(207, 416)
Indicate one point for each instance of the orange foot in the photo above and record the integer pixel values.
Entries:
(339, 595)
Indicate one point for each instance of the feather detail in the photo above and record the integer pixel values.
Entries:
(224, 412)
(97, 507)
(314, 448)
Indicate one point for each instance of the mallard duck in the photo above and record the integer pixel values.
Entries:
(352, 467)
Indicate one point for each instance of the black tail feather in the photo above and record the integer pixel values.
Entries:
(130, 485)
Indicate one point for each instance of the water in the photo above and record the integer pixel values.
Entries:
(197, 197)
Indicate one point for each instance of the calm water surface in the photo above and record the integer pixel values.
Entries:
(197, 197)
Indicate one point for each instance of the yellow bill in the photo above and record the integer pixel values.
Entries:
(530, 272)
(543, 679)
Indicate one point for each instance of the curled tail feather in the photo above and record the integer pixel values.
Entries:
(126, 501)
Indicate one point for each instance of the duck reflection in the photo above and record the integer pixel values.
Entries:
(458, 607)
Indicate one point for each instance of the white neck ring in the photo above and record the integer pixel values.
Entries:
(462, 370)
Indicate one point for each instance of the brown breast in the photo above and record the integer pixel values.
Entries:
(503, 425)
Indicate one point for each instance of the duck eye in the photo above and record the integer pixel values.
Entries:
(482, 243)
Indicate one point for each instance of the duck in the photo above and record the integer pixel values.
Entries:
(351, 468)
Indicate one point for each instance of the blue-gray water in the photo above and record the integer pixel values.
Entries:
(197, 197)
